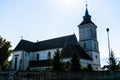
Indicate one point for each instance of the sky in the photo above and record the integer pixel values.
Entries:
(38, 20)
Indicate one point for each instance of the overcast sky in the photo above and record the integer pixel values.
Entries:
(46, 19)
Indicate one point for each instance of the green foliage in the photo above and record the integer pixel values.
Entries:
(5, 52)
(57, 62)
(67, 66)
(84, 68)
(89, 67)
(119, 66)
(113, 63)
(75, 64)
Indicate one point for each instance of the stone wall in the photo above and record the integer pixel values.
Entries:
(3, 75)
(95, 75)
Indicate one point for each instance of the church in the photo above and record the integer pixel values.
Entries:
(37, 55)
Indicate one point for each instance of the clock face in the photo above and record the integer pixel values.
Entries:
(88, 33)
(93, 34)
(83, 32)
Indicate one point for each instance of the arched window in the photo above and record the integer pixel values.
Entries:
(37, 57)
(84, 44)
(15, 66)
(20, 64)
(49, 55)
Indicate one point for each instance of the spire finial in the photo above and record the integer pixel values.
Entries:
(87, 17)
(86, 4)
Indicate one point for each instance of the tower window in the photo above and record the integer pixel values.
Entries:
(91, 30)
(37, 56)
(94, 45)
(96, 56)
(84, 45)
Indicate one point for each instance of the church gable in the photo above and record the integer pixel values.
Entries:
(69, 48)
(24, 45)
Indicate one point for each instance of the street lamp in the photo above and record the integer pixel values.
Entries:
(107, 29)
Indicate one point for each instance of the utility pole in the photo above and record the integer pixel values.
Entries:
(107, 29)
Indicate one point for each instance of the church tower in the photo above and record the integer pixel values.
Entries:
(88, 39)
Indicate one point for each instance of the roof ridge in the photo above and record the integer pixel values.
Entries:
(26, 41)
(55, 38)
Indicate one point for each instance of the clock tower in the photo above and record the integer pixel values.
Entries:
(88, 39)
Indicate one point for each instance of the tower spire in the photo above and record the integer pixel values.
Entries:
(86, 12)
(87, 17)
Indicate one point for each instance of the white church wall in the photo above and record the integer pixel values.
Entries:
(17, 55)
(66, 59)
(31, 55)
(96, 59)
(43, 55)
(85, 62)
(22, 60)
(25, 60)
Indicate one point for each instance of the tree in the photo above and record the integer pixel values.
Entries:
(57, 62)
(89, 67)
(5, 52)
(118, 65)
(112, 62)
(75, 64)
(67, 66)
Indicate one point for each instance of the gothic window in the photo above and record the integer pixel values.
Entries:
(15, 66)
(49, 55)
(37, 57)
(84, 45)
(20, 64)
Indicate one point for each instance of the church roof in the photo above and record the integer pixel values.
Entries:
(69, 48)
(46, 44)
(86, 18)
(25, 46)
(68, 43)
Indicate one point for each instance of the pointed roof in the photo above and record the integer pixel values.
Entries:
(86, 18)
(46, 44)
(69, 48)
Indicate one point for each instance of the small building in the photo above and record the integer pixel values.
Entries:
(37, 55)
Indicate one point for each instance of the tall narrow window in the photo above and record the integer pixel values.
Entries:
(49, 55)
(15, 67)
(84, 44)
(94, 45)
(20, 64)
(37, 57)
